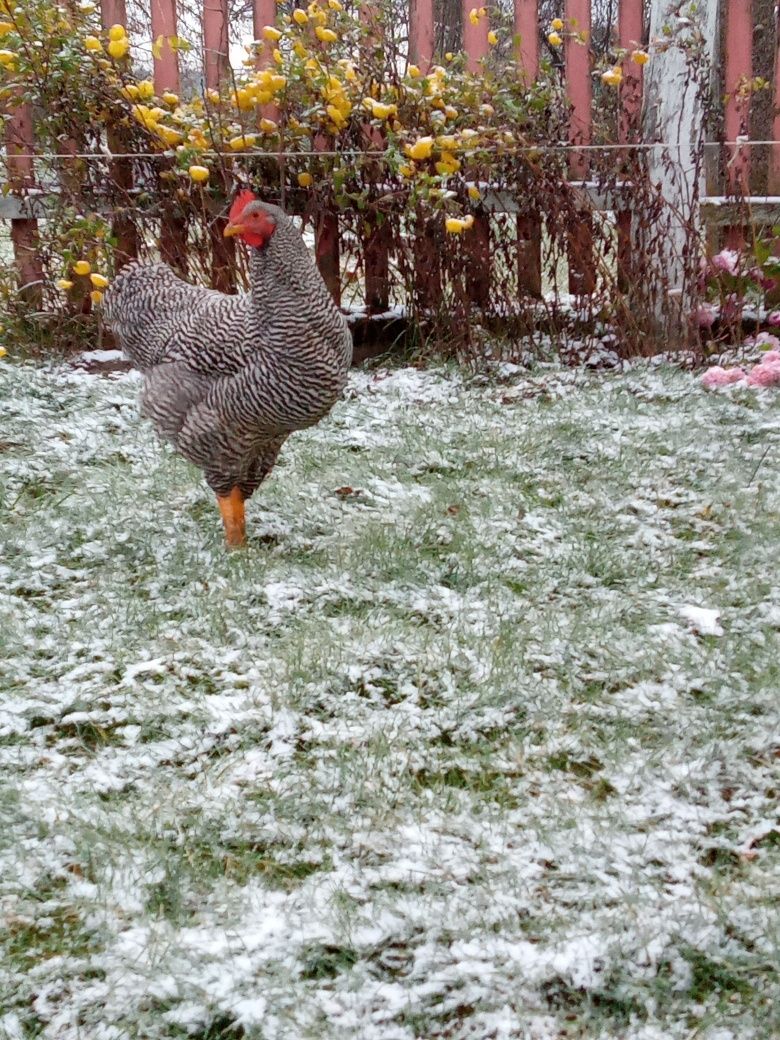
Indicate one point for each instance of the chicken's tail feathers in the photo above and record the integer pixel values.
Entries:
(143, 305)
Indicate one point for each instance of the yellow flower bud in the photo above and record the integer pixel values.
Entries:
(300, 16)
(199, 173)
(305, 180)
(612, 77)
(557, 24)
(92, 43)
(64, 284)
(492, 38)
(117, 32)
(146, 89)
(421, 149)
(414, 71)
(454, 225)
(640, 57)
(326, 35)
(82, 267)
(98, 280)
(118, 48)
(5, 28)
(96, 296)
(3, 352)
(170, 98)
(270, 32)
(554, 39)
(335, 5)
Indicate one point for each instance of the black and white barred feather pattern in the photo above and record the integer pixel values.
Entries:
(228, 378)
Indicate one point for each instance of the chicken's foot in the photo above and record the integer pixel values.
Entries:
(232, 509)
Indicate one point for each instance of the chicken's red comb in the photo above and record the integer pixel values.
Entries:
(240, 202)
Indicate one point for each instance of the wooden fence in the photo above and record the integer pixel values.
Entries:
(734, 33)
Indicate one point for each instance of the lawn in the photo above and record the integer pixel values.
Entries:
(478, 739)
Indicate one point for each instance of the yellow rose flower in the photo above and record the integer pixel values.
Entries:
(421, 149)
(457, 225)
(557, 24)
(612, 77)
(118, 48)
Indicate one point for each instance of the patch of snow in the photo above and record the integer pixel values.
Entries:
(703, 621)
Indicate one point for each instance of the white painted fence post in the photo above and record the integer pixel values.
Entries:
(683, 40)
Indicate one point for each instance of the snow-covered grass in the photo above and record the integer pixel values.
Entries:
(478, 739)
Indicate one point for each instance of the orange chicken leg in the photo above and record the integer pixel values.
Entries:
(232, 509)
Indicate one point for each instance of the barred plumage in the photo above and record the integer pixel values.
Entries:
(228, 378)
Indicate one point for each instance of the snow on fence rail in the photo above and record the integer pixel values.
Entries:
(672, 115)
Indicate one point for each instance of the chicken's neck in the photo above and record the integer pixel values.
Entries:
(293, 304)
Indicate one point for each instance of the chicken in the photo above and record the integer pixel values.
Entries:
(228, 378)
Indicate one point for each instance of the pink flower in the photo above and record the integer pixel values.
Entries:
(765, 339)
(772, 357)
(717, 376)
(773, 318)
(726, 260)
(764, 375)
(706, 315)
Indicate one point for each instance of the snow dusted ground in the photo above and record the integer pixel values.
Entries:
(478, 739)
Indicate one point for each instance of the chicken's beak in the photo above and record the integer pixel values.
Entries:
(232, 229)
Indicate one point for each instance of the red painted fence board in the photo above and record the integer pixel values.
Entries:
(526, 24)
(263, 13)
(738, 57)
(579, 85)
(630, 37)
(215, 42)
(774, 161)
(529, 226)
(166, 67)
(475, 37)
(20, 144)
(421, 33)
